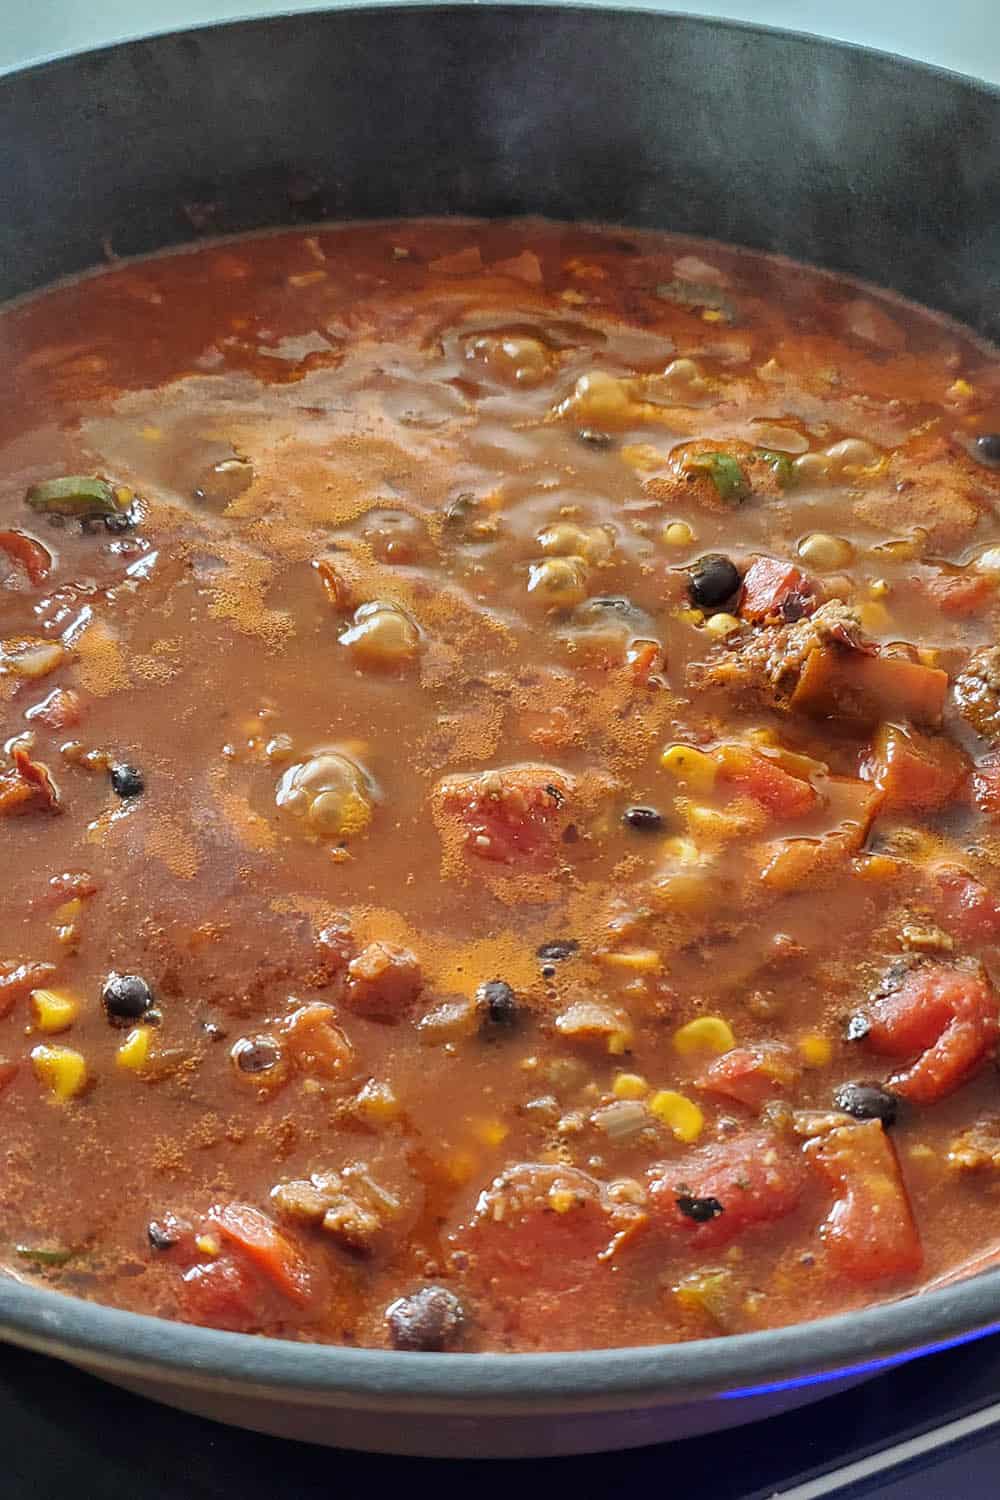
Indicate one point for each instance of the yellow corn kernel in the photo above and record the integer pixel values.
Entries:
(377, 1104)
(711, 315)
(685, 888)
(207, 1244)
(691, 616)
(681, 851)
(763, 736)
(562, 1199)
(680, 1114)
(692, 767)
(460, 1166)
(815, 1051)
(152, 434)
(722, 825)
(134, 1050)
(879, 587)
(60, 1069)
(704, 1034)
(630, 1086)
(635, 960)
(874, 616)
(490, 1132)
(723, 624)
(678, 534)
(960, 388)
(878, 867)
(68, 911)
(54, 1010)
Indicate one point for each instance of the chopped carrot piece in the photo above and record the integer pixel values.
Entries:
(840, 683)
(916, 771)
(781, 795)
(263, 1243)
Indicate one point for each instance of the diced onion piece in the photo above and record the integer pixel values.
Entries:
(623, 1118)
(590, 1020)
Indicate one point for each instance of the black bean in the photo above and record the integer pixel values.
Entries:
(557, 950)
(162, 1236)
(643, 819)
(431, 1319)
(256, 1054)
(595, 438)
(126, 998)
(867, 1101)
(987, 449)
(712, 580)
(701, 1210)
(858, 1028)
(499, 1002)
(127, 781)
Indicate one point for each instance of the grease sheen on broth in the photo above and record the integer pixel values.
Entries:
(500, 788)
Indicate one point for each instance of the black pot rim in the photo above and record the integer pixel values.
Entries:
(742, 1365)
(474, 8)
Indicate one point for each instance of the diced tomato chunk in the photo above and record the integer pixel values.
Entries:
(515, 816)
(782, 795)
(968, 908)
(916, 772)
(870, 1231)
(35, 559)
(986, 787)
(28, 787)
(837, 682)
(753, 1179)
(262, 1242)
(643, 658)
(17, 980)
(774, 590)
(539, 1235)
(949, 1015)
(752, 1075)
(221, 1293)
(960, 594)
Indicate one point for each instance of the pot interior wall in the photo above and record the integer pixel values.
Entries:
(850, 159)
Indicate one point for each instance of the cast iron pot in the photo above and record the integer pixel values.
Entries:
(850, 159)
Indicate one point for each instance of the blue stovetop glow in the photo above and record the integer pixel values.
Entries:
(66, 1434)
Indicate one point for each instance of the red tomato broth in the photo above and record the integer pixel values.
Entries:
(392, 637)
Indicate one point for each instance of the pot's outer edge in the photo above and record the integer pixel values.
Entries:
(853, 159)
(832, 153)
(127, 1343)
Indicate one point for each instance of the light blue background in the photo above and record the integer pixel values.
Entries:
(961, 34)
